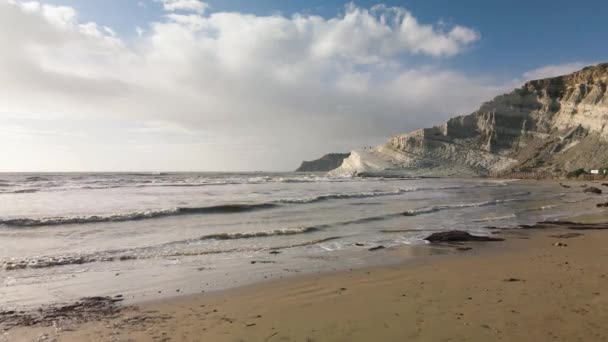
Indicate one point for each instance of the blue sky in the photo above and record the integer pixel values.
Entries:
(517, 35)
(261, 85)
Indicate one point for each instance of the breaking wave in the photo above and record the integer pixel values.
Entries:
(133, 216)
(367, 194)
(141, 254)
(495, 218)
(218, 209)
(437, 208)
(36, 179)
(544, 207)
(23, 191)
(392, 231)
(276, 232)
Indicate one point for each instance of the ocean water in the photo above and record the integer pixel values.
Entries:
(146, 235)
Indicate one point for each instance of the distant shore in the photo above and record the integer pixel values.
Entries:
(541, 284)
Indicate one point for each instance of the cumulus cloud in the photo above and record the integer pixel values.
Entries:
(255, 92)
(185, 5)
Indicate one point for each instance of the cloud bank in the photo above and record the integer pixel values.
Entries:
(224, 90)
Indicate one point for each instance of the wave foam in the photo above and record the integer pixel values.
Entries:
(437, 208)
(153, 252)
(224, 208)
(133, 216)
(366, 194)
(495, 218)
(544, 207)
(250, 235)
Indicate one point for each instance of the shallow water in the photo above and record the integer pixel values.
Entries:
(64, 236)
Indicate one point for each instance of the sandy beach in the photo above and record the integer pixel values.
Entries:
(545, 284)
(275, 171)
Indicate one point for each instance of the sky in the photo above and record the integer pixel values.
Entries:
(241, 85)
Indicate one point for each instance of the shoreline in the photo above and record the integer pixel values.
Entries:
(340, 236)
(390, 302)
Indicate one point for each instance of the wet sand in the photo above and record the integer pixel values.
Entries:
(545, 284)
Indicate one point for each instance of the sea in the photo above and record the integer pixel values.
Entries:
(145, 236)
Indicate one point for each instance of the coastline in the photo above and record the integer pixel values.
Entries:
(525, 288)
(149, 190)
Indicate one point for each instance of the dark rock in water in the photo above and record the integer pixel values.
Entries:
(360, 244)
(275, 252)
(593, 190)
(511, 280)
(602, 205)
(376, 248)
(604, 184)
(326, 163)
(457, 236)
(464, 249)
(567, 235)
(564, 186)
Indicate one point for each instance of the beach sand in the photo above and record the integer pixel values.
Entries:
(523, 289)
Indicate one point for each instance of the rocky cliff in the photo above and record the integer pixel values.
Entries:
(556, 124)
(326, 163)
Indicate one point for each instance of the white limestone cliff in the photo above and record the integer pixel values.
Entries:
(556, 124)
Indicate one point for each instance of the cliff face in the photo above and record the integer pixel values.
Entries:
(555, 124)
(326, 163)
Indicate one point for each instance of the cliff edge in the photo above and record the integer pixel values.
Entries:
(555, 125)
(326, 163)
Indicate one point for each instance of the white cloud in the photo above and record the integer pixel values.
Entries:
(255, 92)
(185, 5)
(554, 70)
